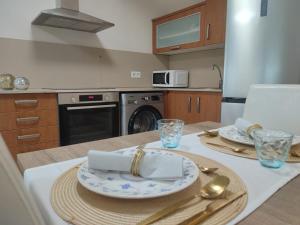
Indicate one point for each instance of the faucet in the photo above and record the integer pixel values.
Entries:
(220, 74)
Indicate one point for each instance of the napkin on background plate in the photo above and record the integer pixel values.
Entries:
(242, 125)
(152, 166)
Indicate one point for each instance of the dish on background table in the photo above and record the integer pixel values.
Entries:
(123, 185)
(231, 133)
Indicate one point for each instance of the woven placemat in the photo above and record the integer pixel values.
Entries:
(76, 205)
(249, 153)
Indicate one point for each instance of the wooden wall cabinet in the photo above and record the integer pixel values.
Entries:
(215, 21)
(29, 122)
(192, 28)
(192, 107)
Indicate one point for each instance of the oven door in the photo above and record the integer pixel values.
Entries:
(89, 122)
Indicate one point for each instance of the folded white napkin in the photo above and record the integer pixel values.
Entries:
(152, 166)
(242, 125)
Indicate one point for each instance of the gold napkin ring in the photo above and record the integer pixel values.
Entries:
(253, 127)
(135, 165)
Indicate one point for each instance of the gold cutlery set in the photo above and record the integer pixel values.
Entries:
(214, 190)
(215, 133)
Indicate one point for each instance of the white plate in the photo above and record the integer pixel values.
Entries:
(231, 133)
(123, 185)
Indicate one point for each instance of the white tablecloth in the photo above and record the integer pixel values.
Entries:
(261, 182)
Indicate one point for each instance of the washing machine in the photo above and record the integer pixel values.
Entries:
(140, 111)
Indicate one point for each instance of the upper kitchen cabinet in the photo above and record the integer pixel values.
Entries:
(215, 21)
(196, 27)
(183, 29)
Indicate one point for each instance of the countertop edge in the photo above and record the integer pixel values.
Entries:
(43, 90)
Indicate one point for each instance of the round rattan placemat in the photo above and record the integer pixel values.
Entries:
(249, 153)
(77, 205)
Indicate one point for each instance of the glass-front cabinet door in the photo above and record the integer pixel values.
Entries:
(179, 31)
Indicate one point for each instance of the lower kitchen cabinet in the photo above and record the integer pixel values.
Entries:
(192, 107)
(29, 122)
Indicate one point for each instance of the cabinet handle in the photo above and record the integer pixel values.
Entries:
(27, 120)
(31, 102)
(176, 47)
(28, 137)
(91, 107)
(207, 31)
(198, 104)
(189, 104)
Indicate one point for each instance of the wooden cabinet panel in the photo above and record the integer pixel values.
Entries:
(6, 121)
(192, 107)
(179, 35)
(178, 105)
(215, 21)
(30, 136)
(25, 102)
(6, 104)
(189, 29)
(29, 122)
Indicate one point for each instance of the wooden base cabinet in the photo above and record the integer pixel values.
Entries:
(192, 107)
(29, 122)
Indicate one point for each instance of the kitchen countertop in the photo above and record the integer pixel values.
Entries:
(121, 89)
(281, 208)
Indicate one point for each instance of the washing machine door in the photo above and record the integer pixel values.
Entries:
(143, 119)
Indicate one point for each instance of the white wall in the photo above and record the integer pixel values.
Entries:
(132, 18)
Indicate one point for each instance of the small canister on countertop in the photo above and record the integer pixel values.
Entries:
(21, 83)
(7, 81)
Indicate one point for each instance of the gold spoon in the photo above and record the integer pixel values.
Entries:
(207, 170)
(234, 149)
(213, 189)
(210, 133)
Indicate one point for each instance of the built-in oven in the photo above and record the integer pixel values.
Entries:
(88, 116)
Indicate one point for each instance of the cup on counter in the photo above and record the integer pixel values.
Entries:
(272, 147)
(170, 132)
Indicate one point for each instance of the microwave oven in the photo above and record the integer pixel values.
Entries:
(170, 78)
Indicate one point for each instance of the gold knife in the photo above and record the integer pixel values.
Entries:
(211, 209)
(166, 211)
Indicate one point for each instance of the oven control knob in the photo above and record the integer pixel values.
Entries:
(73, 99)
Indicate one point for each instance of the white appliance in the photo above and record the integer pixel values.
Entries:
(170, 78)
(262, 46)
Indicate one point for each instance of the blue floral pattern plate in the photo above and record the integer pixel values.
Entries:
(123, 185)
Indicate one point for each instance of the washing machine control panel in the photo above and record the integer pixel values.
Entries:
(146, 98)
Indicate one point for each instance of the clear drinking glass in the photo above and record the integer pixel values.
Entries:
(272, 147)
(170, 132)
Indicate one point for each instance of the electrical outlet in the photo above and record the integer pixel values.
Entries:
(136, 74)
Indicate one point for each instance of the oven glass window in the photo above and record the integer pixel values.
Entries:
(82, 125)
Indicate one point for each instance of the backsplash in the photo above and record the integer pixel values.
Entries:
(199, 65)
(52, 65)
(67, 66)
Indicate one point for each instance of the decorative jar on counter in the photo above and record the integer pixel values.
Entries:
(7, 81)
(21, 83)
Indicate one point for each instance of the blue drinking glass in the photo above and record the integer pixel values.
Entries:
(170, 132)
(272, 147)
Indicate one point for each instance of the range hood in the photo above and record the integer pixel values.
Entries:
(67, 16)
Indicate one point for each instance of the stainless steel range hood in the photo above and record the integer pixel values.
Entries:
(67, 16)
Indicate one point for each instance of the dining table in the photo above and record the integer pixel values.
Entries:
(283, 207)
